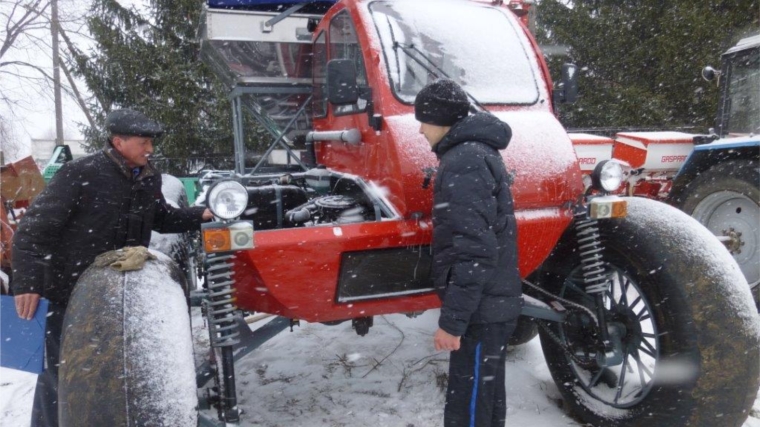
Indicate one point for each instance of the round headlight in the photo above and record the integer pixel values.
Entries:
(607, 176)
(227, 199)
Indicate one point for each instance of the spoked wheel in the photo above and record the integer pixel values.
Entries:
(626, 383)
(683, 314)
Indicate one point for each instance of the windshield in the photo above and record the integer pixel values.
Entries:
(479, 47)
(744, 93)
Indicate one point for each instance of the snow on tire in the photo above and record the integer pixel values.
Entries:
(689, 328)
(126, 356)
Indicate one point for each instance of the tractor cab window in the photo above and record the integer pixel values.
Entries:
(344, 44)
(319, 101)
(744, 93)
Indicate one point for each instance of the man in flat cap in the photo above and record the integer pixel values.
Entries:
(105, 201)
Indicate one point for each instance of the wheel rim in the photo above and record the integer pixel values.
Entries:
(734, 215)
(627, 384)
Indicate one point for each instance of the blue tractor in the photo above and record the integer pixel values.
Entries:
(719, 184)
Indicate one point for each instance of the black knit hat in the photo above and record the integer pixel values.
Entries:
(132, 123)
(442, 103)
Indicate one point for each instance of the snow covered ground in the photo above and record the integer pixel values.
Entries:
(328, 376)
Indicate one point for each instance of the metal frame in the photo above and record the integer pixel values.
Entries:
(249, 341)
(224, 24)
(260, 114)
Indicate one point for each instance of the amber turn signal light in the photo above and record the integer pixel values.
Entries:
(217, 240)
(608, 207)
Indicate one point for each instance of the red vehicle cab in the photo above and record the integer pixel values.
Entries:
(328, 272)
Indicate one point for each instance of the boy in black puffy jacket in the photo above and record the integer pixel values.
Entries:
(474, 252)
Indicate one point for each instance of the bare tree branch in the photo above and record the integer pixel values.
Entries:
(79, 98)
(23, 76)
(74, 51)
(26, 64)
(29, 18)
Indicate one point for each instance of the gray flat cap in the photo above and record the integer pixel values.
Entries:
(132, 123)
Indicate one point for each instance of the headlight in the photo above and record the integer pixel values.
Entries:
(607, 176)
(227, 199)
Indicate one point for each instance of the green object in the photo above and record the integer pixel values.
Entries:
(49, 171)
(61, 155)
(191, 189)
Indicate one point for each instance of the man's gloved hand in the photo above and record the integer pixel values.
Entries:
(126, 259)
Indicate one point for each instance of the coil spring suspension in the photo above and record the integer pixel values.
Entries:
(220, 308)
(221, 304)
(595, 277)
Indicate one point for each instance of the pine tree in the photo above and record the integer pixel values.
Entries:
(152, 64)
(641, 59)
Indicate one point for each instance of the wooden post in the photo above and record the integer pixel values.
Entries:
(56, 74)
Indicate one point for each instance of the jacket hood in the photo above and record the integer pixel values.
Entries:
(481, 127)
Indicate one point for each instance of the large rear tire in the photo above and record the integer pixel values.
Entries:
(689, 328)
(126, 356)
(726, 200)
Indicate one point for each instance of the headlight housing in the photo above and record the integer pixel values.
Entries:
(227, 199)
(608, 176)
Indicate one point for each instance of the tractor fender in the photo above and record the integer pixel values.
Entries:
(127, 352)
(708, 155)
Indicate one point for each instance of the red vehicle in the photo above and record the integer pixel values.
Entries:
(20, 182)
(333, 222)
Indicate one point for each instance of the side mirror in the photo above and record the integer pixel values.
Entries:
(341, 82)
(709, 73)
(568, 93)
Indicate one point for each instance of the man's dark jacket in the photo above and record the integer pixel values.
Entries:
(474, 231)
(92, 205)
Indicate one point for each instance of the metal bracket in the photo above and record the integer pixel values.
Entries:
(266, 27)
(279, 141)
(249, 341)
(537, 309)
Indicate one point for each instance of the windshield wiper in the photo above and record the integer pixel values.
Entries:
(437, 72)
(398, 65)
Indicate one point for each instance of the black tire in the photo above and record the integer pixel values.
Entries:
(726, 200)
(525, 331)
(126, 354)
(704, 338)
